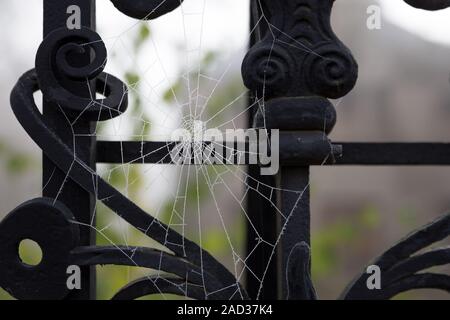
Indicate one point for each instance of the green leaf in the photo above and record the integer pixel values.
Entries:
(132, 79)
(17, 163)
(209, 58)
(370, 217)
(171, 93)
(143, 35)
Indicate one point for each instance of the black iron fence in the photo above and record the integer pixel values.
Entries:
(295, 64)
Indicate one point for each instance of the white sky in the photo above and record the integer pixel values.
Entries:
(25, 20)
(434, 26)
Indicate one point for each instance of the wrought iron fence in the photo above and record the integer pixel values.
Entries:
(294, 65)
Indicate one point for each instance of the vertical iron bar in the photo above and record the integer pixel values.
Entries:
(81, 203)
(261, 212)
(263, 217)
(294, 228)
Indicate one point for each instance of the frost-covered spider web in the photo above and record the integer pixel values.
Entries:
(181, 69)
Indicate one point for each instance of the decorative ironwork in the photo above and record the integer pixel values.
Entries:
(193, 265)
(295, 63)
(298, 54)
(400, 267)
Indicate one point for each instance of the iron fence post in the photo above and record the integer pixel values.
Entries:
(55, 182)
(262, 281)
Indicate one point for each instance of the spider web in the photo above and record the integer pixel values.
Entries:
(170, 87)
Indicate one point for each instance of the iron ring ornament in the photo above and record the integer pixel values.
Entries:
(299, 64)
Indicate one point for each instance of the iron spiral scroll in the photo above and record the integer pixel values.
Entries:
(193, 272)
(196, 274)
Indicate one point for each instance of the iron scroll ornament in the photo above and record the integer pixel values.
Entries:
(402, 268)
(191, 267)
(298, 53)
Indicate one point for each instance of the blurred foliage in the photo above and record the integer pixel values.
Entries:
(343, 232)
(15, 162)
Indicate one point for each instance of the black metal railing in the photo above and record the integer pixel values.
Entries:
(295, 64)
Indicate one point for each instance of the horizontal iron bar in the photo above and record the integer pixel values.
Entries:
(371, 154)
(405, 154)
(118, 152)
